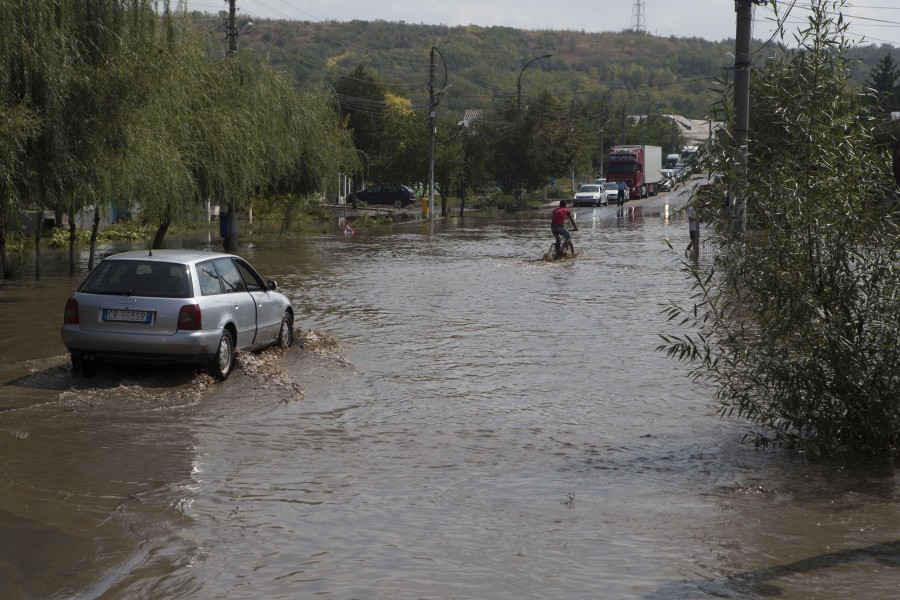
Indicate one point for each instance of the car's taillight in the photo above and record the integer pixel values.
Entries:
(189, 317)
(70, 315)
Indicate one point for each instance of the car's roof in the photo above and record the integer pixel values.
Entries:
(175, 256)
(588, 186)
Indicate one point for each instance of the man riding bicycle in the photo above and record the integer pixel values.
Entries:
(558, 224)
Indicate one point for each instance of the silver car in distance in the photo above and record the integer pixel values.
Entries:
(174, 306)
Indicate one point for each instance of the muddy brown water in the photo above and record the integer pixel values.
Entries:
(466, 421)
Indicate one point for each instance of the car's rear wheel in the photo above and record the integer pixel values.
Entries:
(84, 365)
(224, 360)
(286, 332)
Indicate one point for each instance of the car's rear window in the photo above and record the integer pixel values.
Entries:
(138, 278)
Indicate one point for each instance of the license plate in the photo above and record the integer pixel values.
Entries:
(128, 316)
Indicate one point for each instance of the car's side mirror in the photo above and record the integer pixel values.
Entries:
(271, 285)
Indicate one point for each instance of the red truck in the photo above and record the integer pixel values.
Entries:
(640, 167)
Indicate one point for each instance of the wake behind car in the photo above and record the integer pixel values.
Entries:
(174, 306)
(398, 196)
(590, 194)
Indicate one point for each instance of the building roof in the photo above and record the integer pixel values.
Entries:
(696, 132)
(470, 114)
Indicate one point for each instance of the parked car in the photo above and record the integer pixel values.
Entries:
(398, 196)
(591, 195)
(612, 190)
(174, 306)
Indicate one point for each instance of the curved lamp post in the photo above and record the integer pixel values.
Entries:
(519, 84)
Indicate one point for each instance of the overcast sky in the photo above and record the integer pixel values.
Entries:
(877, 20)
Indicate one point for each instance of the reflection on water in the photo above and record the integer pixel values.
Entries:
(491, 426)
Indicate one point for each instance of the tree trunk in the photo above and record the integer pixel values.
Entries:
(5, 266)
(38, 229)
(462, 203)
(95, 227)
(160, 235)
(73, 231)
(230, 243)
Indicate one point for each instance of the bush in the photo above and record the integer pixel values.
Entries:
(796, 322)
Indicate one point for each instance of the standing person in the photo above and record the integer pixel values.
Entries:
(621, 193)
(694, 221)
(558, 224)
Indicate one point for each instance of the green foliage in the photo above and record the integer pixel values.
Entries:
(883, 82)
(367, 221)
(290, 214)
(362, 103)
(797, 324)
(59, 238)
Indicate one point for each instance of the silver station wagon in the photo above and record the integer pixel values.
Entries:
(174, 306)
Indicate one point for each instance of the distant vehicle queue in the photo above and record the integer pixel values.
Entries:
(640, 167)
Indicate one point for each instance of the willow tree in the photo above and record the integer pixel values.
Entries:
(20, 120)
(113, 42)
(17, 125)
(75, 64)
(37, 59)
(157, 174)
(797, 324)
(257, 131)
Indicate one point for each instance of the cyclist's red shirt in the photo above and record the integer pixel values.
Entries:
(559, 215)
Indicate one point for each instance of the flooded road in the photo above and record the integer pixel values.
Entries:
(467, 421)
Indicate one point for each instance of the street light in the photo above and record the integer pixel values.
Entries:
(519, 85)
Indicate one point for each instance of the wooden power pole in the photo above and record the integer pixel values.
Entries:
(742, 64)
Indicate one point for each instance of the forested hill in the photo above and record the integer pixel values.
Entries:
(483, 64)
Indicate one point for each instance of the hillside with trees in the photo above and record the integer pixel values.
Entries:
(483, 64)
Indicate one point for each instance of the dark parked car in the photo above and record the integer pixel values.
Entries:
(398, 196)
(174, 306)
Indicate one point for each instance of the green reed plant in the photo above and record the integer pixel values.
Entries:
(796, 323)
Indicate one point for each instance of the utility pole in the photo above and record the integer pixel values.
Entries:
(431, 132)
(603, 123)
(743, 33)
(433, 100)
(674, 151)
(602, 155)
(228, 225)
(231, 31)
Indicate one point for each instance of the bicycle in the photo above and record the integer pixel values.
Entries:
(563, 250)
